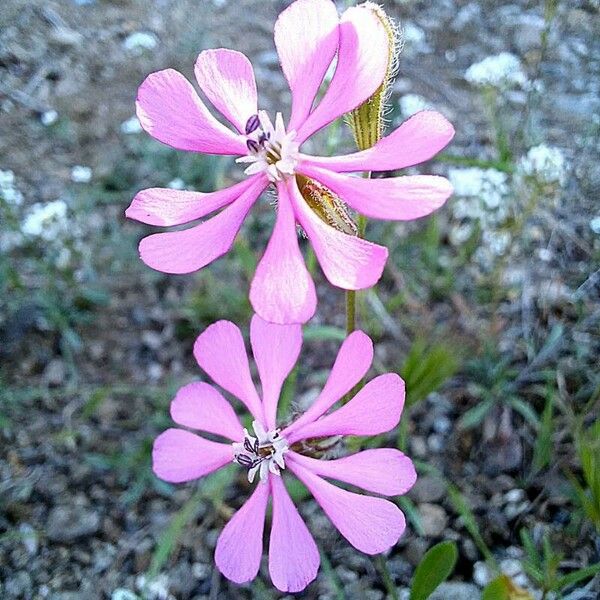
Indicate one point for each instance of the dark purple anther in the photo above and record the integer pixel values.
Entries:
(263, 138)
(253, 145)
(244, 460)
(247, 445)
(252, 124)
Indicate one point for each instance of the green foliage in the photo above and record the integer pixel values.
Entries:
(426, 368)
(542, 565)
(461, 506)
(435, 567)
(212, 489)
(588, 450)
(503, 588)
(542, 451)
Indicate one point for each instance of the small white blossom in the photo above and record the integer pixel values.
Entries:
(414, 39)
(413, 103)
(501, 71)
(47, 221)
(546, 163)
(8, 191)
(81, 174)
(488, 187)
(595, 225)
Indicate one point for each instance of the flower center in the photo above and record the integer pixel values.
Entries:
(270, 149)
(262, 453)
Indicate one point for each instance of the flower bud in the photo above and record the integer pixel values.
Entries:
(367, 120)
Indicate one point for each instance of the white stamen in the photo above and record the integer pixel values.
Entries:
(261, 453)
(271, 149)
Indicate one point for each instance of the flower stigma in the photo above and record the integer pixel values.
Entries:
(262, 453)
(270, 149)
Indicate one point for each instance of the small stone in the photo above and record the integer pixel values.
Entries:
(139, 41)
(68, 523)
(428, 489)
(456, 590)
(81, 174)
(433, 519)
(415, 549)
(30, 538)
(481, 574)
(55, 372)
(435, 443)
(19, 585)
(442, 424)
(123, 594)
(513, 496)
(418, 446)
(49, 117)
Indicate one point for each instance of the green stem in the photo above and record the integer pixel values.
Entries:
(350, 311)
(387, 577)
(351, 294)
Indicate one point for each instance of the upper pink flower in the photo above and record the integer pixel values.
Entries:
(308, 35)
(370, 524)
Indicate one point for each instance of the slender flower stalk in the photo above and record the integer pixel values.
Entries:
(302, 448)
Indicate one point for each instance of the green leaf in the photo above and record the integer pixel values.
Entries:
(435, 567)
(426, 368)
(496, 590)
(324, 332)
(577, 576)
(474, 416)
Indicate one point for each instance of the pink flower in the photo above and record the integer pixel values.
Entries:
(308, 35)
(369, 523)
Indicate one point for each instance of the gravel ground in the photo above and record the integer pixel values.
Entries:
(80, 512)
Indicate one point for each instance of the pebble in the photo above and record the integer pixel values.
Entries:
(428, 489)
(30, 538)
(456, 591)
(55, 372)
(123, 594)
(81, 174)
(433, 519)
(68, 523)
(481, 573)
(139, 41)
(19, 585)
(513, 496)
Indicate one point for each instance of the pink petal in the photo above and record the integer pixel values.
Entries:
(371, 525)
(418, 139)
(293, 554)
(220, 351)
(227, 79)
(191, 249)
(179, 455)
(375, 409)
(282, 290)
(306, 36)
(348, 262)
(240, 545)
(170, 110)
(361, 68)
(276, 349)
(199, 406)
(383, 471)
(395, 198)
(351, 365)
(166, 207)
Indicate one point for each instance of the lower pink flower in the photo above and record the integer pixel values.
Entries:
(370, 524)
